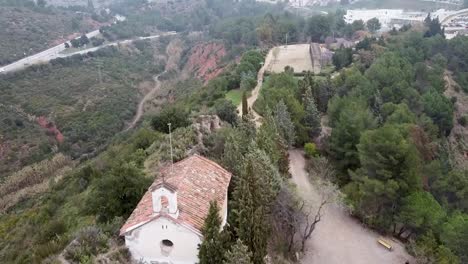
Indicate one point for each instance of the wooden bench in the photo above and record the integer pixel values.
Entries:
(385, 243)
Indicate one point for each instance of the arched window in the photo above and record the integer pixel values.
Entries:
(164, 204)
(166, 247)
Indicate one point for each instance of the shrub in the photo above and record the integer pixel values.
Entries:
(144, 138)
(89, 242)
(226, 111)
(177, 116)
(463, 120)
(117, 192)
(311, 150)
(51, 230)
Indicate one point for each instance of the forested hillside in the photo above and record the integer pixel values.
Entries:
(80, 102)
(71, 174)
(390, 121)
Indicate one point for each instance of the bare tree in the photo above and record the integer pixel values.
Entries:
(294, 219)
(310, 225)
(321, 173)
(287, 217)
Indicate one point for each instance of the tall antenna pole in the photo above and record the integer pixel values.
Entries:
(100, 74)
(170, 143)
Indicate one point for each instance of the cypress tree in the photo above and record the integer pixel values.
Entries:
(283, 162)
(238, 254)
(312, 117)
(284, 123)
(256, 188)
(245, 104)
(251, 224)
(270, 141)
(211, 249)
(90, 5)
(233, 156)
(267, 137)
(308, 83)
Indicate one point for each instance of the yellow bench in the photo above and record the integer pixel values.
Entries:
(385, 243)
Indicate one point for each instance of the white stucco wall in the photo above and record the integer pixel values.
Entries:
(144, 242)
(224, 211)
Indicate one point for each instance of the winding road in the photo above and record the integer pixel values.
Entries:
(141, 105)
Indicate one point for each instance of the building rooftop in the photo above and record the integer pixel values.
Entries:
(197, 181)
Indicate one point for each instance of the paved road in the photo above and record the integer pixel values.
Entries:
(55, 52)
(339, 238)
(452, 16)
(41, 57)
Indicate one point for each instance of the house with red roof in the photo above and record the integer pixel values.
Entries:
(165, 227)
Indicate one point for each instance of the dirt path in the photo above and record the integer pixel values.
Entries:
(141, 105)
(339, 238)
(256, 91)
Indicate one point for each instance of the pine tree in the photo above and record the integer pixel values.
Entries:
(238, 254)
(284, 123)
(211, 249)
(312, 117)
(245, 104)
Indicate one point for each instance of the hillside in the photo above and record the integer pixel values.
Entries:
(28, 30)
(71, 100)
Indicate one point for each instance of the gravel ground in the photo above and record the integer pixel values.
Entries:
(339, 238)
(296, 56)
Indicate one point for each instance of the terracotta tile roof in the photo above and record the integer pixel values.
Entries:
(197, 181)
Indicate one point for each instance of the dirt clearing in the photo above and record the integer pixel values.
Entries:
(339, 238)
(296, 56)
